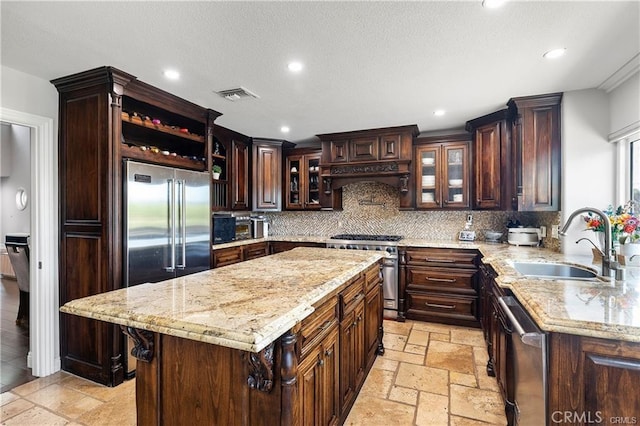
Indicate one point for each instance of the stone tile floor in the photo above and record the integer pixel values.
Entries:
(430, 375)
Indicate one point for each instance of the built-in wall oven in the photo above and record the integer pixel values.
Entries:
(388, 243)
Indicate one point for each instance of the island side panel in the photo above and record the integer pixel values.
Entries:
(190, 382)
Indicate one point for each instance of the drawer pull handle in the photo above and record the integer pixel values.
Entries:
(359, 296)
(442, 280)
(325, 325)
(436, 305)
(427, 259)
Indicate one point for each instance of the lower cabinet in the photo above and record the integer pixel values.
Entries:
(280, 246)
(439, 285)
(319, 376)
(593, 380)
(231, 255)
(337, 346)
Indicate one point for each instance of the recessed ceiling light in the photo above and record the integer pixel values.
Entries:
(555, 53)
(493, 4)
(171, 74)
(439, 112)
(284, 129)
(295, 66)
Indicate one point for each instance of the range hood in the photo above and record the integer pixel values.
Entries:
(381, 155)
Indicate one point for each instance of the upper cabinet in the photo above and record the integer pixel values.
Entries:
(493, 169)
(442, 172)
(231, 155)
(303, 186)
(267, 174)
(537, 145)
(383, 155)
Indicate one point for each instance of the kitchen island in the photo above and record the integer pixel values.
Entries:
(252, 343)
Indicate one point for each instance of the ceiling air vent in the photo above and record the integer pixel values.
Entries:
(237, 94)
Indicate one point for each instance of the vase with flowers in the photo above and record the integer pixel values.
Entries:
(624, 225)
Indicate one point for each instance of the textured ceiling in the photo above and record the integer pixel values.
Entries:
(367, 64)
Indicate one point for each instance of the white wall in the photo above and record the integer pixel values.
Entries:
(588, 161)
(625, 104)
(27, 93)
(11, 218)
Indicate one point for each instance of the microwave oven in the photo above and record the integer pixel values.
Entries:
(224, 229)
(243, 228)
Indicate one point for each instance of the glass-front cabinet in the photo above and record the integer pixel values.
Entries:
(442, 173)
(303, 182)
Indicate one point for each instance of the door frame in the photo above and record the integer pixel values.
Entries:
(44, 331)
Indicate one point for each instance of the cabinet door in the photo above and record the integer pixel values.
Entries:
(373, 311)
(330, 396)
(488, 182)
(240, 176)
(389, 147)
(267, 177)
(347, 364)
(428, 176)
(294, 183)
(339, 151)
(227, 256)
(313, 181)
(310, 386)
(360, 351)
(254, 251)
(363, 149)
(455, 175)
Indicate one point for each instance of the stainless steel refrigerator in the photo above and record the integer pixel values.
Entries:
(167, 223)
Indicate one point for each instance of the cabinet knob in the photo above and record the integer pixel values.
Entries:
(320, 362)
(328, 352)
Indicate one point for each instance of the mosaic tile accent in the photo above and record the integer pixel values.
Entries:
(383, 216)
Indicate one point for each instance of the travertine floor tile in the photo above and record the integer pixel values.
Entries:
(439, 337)
(463, 379)
(14, 408)
(478, 404)
(65, 401)
(423, 378)
(120, 411)
(404, 357)
(468, 337)
(432, 327)
(395, 327)
(40, 383)
(418, 337)
(487, 382)
(97, 391)
(384, 363)
(404, 395)
(451, 356)
(481, 357)
(415, 349)
(395, 342)
(433, 410)
(8, 397)
(368, 411)
(378, 383)
(36, 416)
(462, 421)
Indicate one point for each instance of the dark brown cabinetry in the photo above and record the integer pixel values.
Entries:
(302, 185)
(382, 155)
(439, 285)
(493, 163)
(442, 172)
(594, 380)
(231, 152)
(280, 246)
(537, 144)
(231, 255)
(267, 174)
(105, 115)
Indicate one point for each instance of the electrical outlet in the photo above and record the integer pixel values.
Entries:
(555, 229)
(543, 231)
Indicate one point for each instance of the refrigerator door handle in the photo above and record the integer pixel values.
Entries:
(172, 223)
(183, 222)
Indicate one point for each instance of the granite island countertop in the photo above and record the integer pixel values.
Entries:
(244, 306)
(600, 308)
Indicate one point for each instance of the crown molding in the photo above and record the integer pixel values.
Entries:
(621, 75)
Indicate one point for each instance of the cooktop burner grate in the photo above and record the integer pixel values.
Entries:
(366, 237)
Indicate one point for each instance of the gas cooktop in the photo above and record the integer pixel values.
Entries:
(366, 237)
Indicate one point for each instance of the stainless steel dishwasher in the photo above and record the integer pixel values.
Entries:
(529, 365)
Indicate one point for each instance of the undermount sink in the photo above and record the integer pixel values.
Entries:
(553, 270)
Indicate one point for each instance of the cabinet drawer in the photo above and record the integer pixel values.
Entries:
(350, 297)
(227, 256)
(316, 326)
(253, 251)
(372, 277)
(434, 306)
(447, 280)
(459, 258)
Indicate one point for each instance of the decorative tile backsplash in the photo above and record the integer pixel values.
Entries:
(372, 208)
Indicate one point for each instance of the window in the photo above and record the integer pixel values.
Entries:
(635, 171)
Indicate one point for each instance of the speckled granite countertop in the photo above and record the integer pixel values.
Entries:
(244, 306)
(599, 308)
